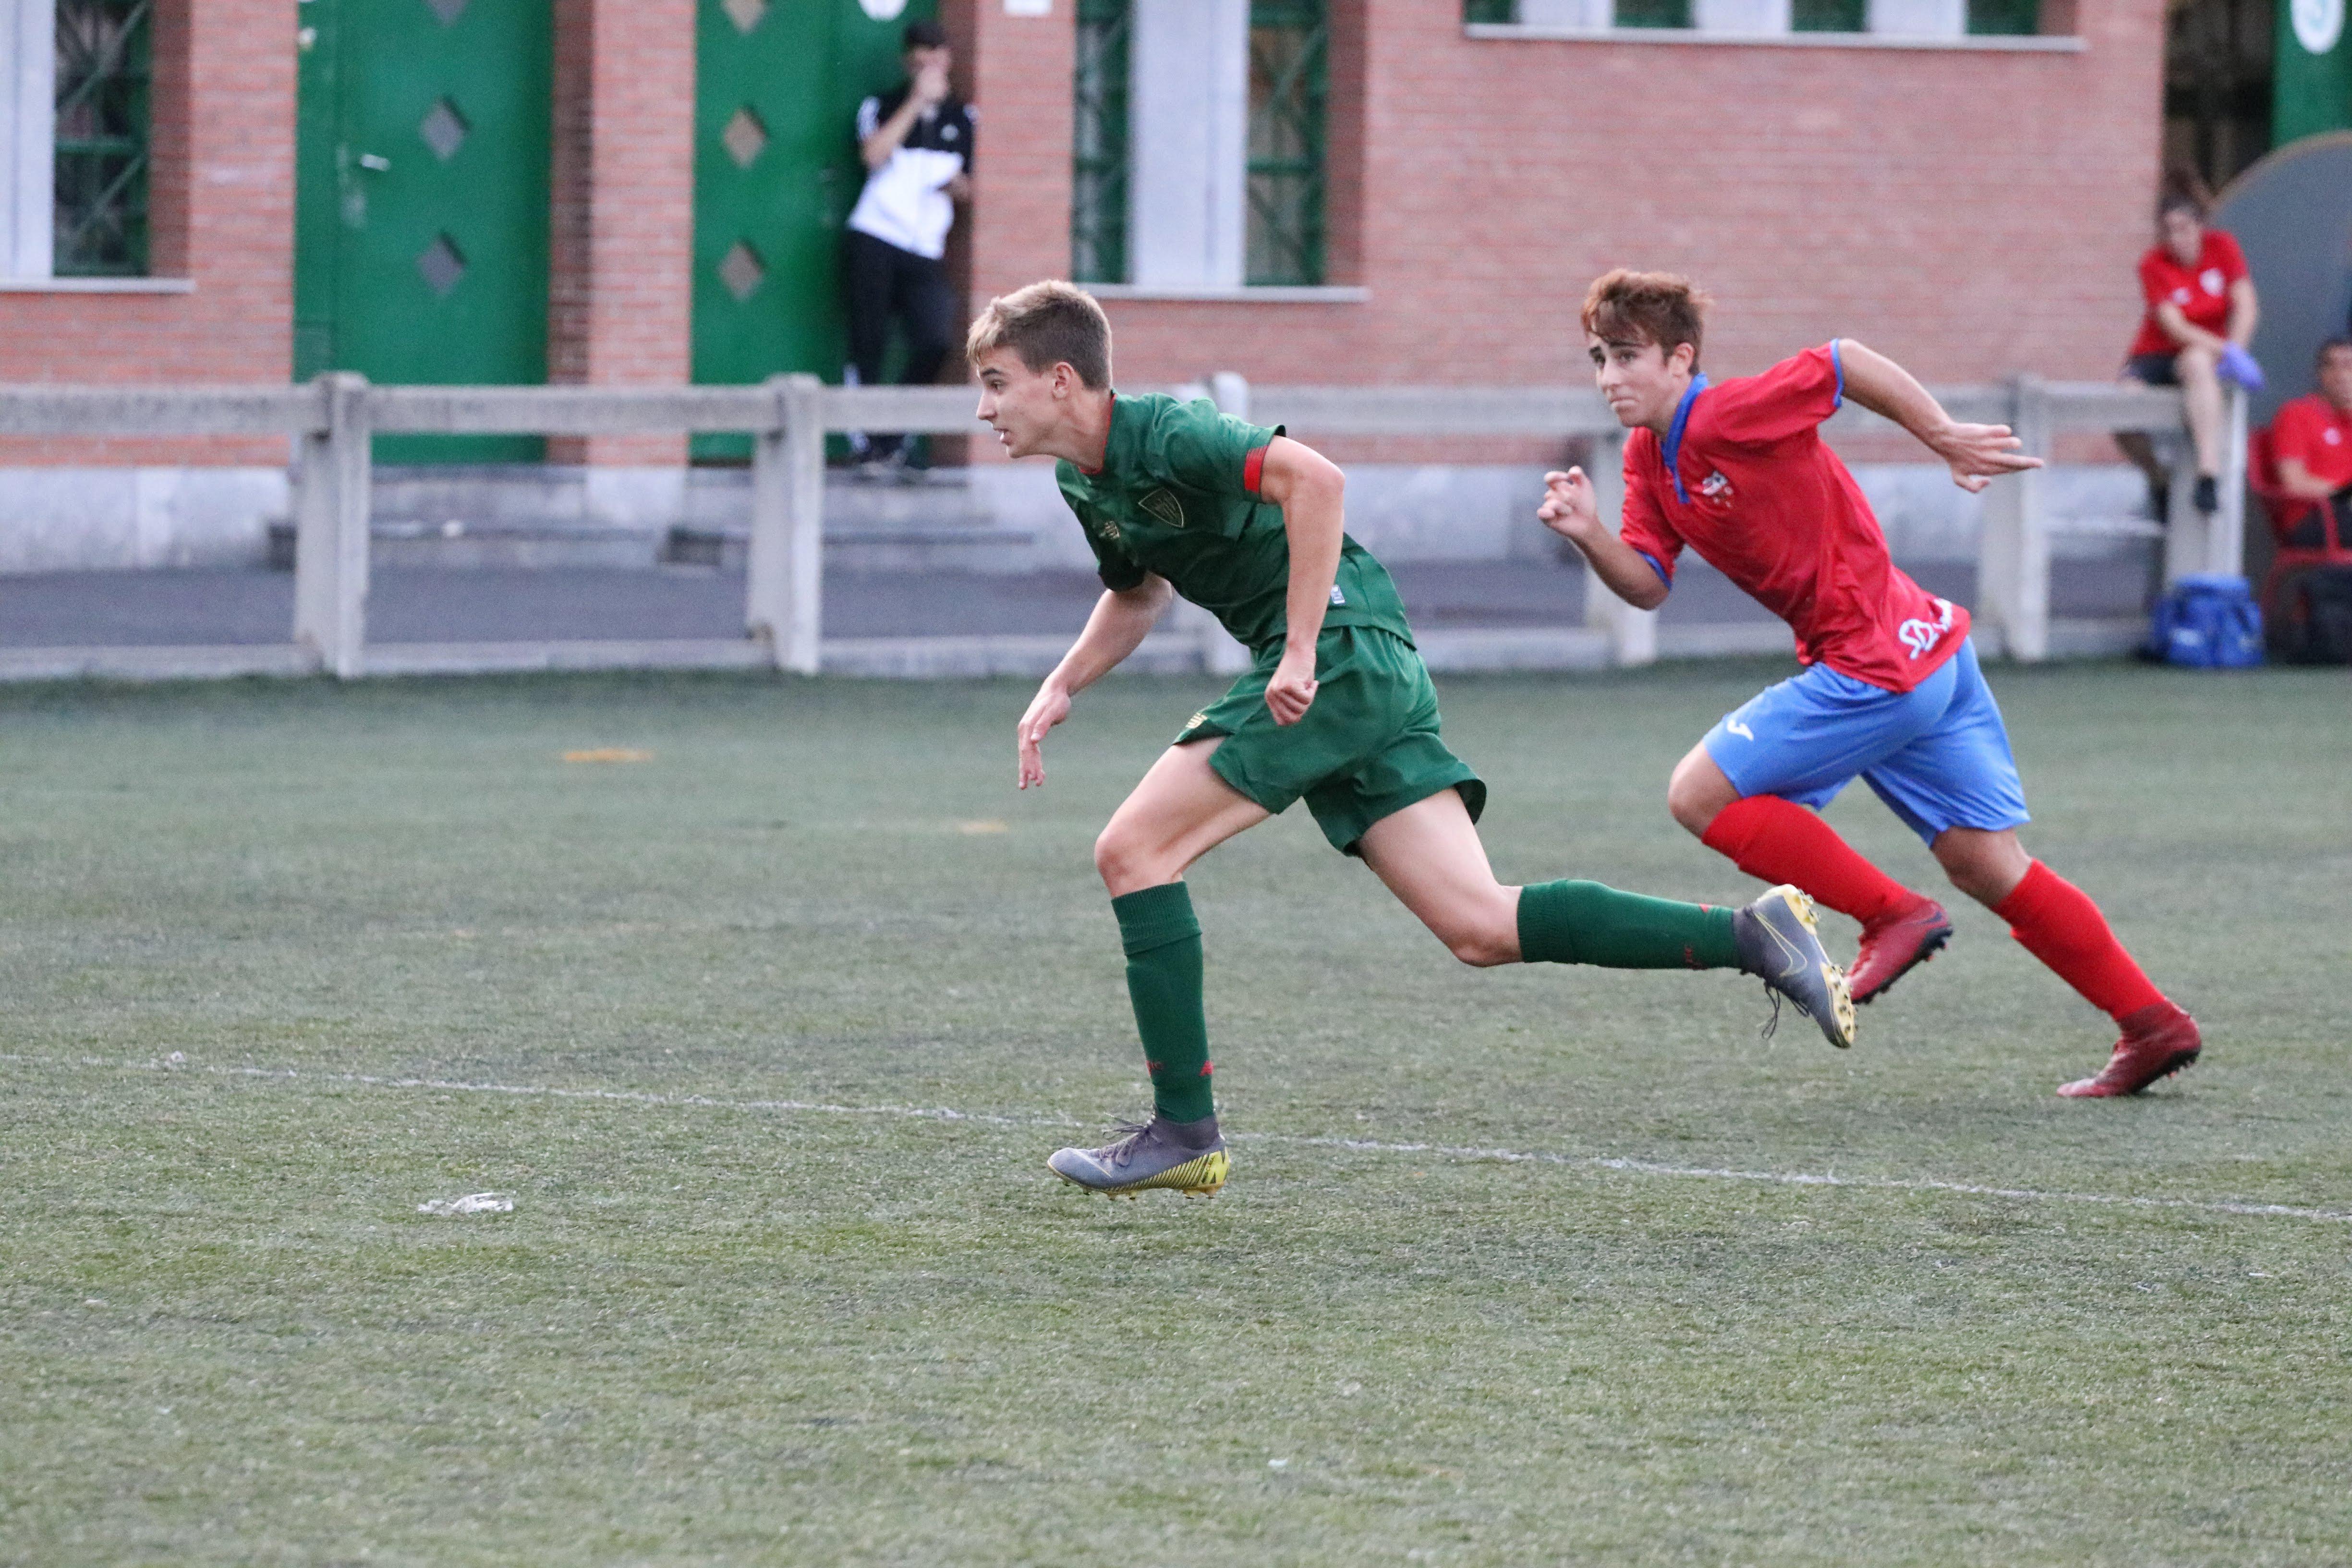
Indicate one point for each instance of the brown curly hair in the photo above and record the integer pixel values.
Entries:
(1661, 308)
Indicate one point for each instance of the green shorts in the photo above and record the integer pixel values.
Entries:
(1368, 747)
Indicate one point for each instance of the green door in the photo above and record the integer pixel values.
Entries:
(421, 201)
(776, 171)
(2313, 86)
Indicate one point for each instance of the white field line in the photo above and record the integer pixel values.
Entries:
(1803, 1178)
(1353, 1145)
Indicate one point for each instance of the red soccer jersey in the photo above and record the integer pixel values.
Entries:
(2318, 434)
(2202, 291)
(1744, 479)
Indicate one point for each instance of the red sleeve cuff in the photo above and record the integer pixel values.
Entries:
(1253, 468)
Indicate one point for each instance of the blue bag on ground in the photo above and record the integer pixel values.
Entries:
(2208, 622)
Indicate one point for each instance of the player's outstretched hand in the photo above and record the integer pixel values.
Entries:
(1569, 506)
(1292, 690)
(1980, 453)
(1047, 709)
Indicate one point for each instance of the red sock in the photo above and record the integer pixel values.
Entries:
(1780, 841)
(2057, 922)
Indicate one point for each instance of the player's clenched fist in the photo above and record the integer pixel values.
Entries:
(1569, 508)
(1292, 690)
(1047, 709)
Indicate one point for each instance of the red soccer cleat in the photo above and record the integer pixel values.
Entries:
(2158, 1040)
(1891, 948)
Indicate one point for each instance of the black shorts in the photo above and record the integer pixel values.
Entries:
(2152, 370)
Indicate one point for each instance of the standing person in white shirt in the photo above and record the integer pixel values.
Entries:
(916, 145)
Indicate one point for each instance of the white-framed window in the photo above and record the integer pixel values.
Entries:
(1198, 162)
(75, 78)
(1988, 24)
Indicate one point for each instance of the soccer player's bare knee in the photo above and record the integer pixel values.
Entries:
(1987, 867)
(1697, 791)
(1484, 949)
(1481, 933)
(1127, 861)
(1430, 858)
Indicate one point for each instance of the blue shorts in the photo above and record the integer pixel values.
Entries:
(1936, 754)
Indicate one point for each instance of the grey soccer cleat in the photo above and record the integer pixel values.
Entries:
(1157, 1153)
(1778, 942)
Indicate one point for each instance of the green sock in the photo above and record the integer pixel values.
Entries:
(1584, 922)
(1163, 980)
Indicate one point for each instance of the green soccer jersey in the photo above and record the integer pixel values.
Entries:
(1177, 495)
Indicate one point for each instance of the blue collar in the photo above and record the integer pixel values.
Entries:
(1673, 449)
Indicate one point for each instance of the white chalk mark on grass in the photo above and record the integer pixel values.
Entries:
(1353, 1146)
(472, 1203)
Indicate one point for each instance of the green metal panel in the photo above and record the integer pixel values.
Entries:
(421, 201)
(2017, 18)
(1829, 15)
(2312, 85)
(776, 171)
(1653, 13)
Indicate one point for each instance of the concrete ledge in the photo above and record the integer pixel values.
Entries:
(155, 663)
(98, 285)
(1468, 650)
(939, 658)
(1245, 294)
(2076, 636)
(493, 658)
(1729, 640)
(2101, 637)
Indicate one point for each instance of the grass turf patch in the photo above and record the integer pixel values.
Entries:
(727, 1322)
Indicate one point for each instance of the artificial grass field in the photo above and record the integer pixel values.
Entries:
(768, 1036)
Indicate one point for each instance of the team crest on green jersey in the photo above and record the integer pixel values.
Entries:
(1109, 529)
(1163, 505)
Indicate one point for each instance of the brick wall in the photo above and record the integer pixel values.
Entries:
(222, 211)
(1973, 213)
(621, 240)
(1016, 73)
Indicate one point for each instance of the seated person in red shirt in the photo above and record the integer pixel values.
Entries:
(2311, 441)
(1890, 691)
(2200, 316)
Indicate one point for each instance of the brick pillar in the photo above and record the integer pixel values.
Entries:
(621, 245)
(1016, 71)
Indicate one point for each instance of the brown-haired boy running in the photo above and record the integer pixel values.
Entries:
(1336, 710)
(1891, 690)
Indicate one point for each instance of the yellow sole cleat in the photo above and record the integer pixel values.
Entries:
(1781, 940)
(1202, 1176)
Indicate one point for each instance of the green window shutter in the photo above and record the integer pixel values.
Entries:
(103, 79)
(2012, 17)
(1829, 16)
(1653, 13)
(1289, 52)
(1490, 10)
(1098, 168)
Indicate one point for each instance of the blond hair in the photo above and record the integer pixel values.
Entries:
(1047, 324)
